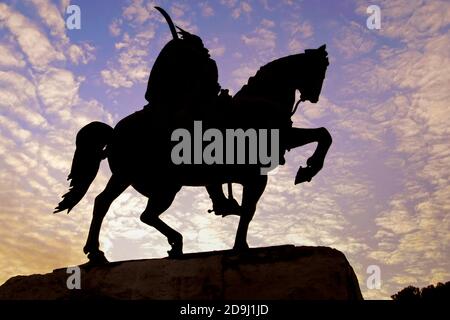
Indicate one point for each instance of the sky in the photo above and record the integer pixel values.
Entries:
(382, 198)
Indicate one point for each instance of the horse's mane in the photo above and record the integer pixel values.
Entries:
(284, 69)
(271, 70)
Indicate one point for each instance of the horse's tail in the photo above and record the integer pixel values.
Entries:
(91, 143)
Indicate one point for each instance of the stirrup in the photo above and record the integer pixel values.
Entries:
(226, 208)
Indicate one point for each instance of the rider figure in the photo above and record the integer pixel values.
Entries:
(182, 87)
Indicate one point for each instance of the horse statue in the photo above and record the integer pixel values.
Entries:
(139, 147)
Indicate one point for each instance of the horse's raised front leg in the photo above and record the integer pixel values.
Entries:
(102, 203)
(251, 193)
(298, 137)
(157, 204)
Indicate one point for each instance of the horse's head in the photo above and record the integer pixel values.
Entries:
(278, 80)
(314, 64)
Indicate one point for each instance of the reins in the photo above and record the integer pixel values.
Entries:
(295, 107)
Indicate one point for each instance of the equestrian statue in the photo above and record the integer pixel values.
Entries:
(183, 91)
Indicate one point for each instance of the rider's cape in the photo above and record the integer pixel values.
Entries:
(184, 79)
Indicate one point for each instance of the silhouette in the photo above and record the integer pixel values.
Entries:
(440, 292)
(139, 147)
(185, 78)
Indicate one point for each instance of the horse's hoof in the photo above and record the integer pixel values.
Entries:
(91, 247)
(97, 258)
(241, 248)
(303, 175)
(175, 253)
(177, 247)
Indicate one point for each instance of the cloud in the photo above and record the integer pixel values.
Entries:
(295, 46)
(14, 129)
(411, 77)
(216, 49)
(381, 198)
(299, 33)
(398, 220)
(242, 74)
(237, 7)
(178, 10)
(131, 64)
(207, 10)
(412, 21)
(261, 39)
(114, 27)
(138, 12)
(353, 40)
(115, 79)
(83, 53)
(229, 3)
(33, 43)
(302, 29)
(18, 97)
(132, 67)
(244, 7)
(36, 150)
(267, 23)
(10, 58)
(51, 16)
(58, 90)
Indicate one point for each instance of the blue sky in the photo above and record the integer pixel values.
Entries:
(382, 197)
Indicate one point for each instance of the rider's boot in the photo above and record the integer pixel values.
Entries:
(222, 206)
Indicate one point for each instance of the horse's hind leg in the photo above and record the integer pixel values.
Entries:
(252, 191)
(102, 203)
(157, 204)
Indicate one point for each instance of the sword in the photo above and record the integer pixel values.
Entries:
(169, 22)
